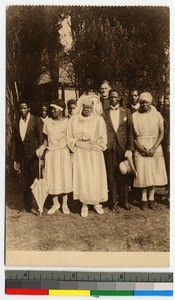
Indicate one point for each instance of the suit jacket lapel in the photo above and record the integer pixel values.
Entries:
(109, 119)
(18, 130)
(121, 115)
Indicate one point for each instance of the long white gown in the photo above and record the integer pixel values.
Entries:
(89, 172)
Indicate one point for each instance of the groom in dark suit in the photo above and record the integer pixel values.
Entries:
(119, 140)
(28, 136)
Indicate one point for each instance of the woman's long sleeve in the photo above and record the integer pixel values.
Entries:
(71, 140)
(101, 142)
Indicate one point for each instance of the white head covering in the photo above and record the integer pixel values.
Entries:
(56, 106)
(90, 100)
(145, 97)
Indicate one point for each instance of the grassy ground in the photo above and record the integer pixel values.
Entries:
(134, 230)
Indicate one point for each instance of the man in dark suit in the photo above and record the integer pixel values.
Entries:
(104, 91)
(166, 141)
(134, 101)
(119, 140)
(28, 136)
(135, 195)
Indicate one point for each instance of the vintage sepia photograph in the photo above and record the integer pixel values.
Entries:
(87, 136)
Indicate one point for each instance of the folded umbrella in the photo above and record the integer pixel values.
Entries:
(40, 190)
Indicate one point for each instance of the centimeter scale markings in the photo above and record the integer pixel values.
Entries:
(89, 283)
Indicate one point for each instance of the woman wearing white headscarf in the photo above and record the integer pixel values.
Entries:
(149, 131)
(87, 140)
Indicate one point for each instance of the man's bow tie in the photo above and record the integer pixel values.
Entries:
(114, 108)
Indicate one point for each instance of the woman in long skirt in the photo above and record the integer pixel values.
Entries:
(58, 169)
(87, 140)
(149, 160)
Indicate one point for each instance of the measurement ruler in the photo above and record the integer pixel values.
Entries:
(88, 283)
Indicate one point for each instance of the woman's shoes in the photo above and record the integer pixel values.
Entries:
(84, 212)
(53, 209)
(99, 209)
(143, 205)
(151, 205)
(65, 210)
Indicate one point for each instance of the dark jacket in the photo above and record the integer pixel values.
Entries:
(166, 116)
(105, 103)
(33, 139)
(124, 134)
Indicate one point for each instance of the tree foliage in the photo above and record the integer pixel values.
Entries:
(126, 45)
(33, 45)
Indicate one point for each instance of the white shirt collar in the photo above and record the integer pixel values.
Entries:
(114, 107)
(27, 118)
(136, 106)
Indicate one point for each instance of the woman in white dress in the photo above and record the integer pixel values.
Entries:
(87, 140)
(58, 169)
(149, 160)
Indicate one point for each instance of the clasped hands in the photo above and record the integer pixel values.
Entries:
(85, 145)
(146, 152)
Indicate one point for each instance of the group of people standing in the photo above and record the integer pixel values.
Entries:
(97, 151)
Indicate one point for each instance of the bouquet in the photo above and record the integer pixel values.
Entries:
(84, 141)
(82, 136)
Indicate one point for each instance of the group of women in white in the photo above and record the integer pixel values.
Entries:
(74, 159)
